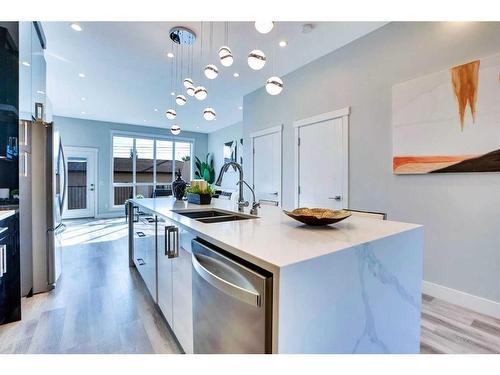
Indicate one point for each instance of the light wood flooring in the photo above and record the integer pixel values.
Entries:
(102, 306)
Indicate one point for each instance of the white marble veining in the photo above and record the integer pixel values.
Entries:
(273, 240)
(362, 300)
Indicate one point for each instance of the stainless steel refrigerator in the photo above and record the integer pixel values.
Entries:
(43, 180)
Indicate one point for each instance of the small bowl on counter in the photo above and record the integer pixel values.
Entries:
(317, 216)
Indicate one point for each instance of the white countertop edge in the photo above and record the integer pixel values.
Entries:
(201, 229)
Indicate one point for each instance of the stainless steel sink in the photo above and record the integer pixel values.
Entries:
(214, 216)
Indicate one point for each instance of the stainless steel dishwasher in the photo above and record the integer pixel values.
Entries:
(232, 303)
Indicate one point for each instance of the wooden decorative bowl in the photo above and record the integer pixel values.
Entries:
(318, 216)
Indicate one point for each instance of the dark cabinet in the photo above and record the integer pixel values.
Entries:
(10, 285)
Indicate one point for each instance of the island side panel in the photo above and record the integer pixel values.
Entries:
(366, 299)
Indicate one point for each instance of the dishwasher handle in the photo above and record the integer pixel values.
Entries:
(244, 295)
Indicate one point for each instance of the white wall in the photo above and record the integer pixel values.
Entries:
(460, 212)
(216, 142)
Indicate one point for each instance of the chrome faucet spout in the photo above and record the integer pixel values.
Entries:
(241, 201)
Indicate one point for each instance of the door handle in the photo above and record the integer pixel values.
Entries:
(141, 261)
(337, 198)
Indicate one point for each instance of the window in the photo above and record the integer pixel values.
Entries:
(142, 164)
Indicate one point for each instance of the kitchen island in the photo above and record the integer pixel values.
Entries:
(351, 287)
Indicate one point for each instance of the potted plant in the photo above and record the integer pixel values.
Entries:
(205, 169)
(199, 194)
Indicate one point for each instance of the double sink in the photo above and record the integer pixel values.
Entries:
(214, 215)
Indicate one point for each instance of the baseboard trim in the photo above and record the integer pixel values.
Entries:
(110, 215)
(469, 301)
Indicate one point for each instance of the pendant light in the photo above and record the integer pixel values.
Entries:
(171, 114)
(180, 99)
(175, 129)
(209, 114)
(190, 90)
(256, 59)
(200, 93)
(274, 85)
(188, 82)
(211, 71)
(264, 27)
(225, 54)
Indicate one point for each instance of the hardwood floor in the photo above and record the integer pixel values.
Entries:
(99, 306)
(102, 306)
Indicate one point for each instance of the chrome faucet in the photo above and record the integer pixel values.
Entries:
(241, 201)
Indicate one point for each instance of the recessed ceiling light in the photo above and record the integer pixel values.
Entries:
(170, 55)
(283, 43)
(83, 98)
(83, 112)
(172, 93)
(40, 92)
(25, 63)
(240, 107)
(156, 109)
(145, 121)
(81, 75)
(197, 127)
(236, 75)
(76, 26)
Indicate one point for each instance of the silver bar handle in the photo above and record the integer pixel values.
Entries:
(3, 260)
(168, 241)
(245, 295)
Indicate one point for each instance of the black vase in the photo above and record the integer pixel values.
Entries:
(178, 186)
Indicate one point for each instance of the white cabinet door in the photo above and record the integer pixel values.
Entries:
(165, 287)
(145, 254)
(182, 293)
(320, 166)
(267, 167)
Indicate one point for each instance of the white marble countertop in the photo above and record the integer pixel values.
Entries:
(4, 214)
(274, 240)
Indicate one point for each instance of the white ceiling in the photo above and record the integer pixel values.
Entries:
(128, 73)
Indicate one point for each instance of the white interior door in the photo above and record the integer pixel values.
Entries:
(322, 164)
(81, 186)
(267, 167)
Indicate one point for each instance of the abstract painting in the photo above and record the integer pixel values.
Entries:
(448, 122)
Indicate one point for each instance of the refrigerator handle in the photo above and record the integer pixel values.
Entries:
(65, 174)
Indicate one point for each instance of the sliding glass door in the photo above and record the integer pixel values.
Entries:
(142, 165)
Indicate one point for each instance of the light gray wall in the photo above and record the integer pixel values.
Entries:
(216, 142)
(88, 133)
(461, 212)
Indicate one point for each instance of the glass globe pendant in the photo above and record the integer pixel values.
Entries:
(209, 114)
(226, 56)
(171, 114)
(256, 59)
(180, 99)
(274, 85)
(188, 82)
(264, 27)
(211, 71)
(175, 129)
(200, 93)
(190, 90)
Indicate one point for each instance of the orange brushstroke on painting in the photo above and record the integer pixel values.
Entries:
(398, 161)
(464, 79)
